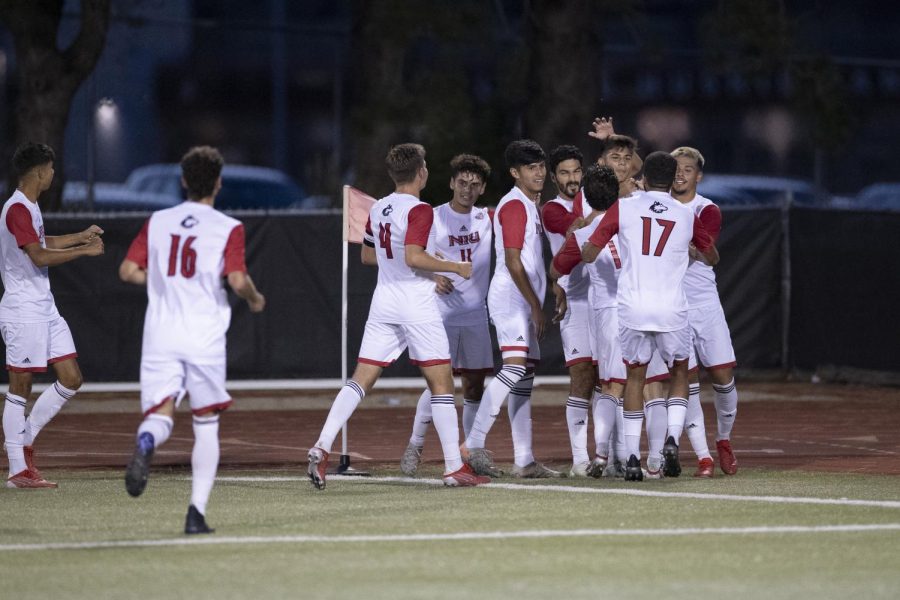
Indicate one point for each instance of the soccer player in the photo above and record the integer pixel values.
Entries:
(34, 332)
(404, 313)
(655, 233)
(182, 255)
(460, 230)
(515, 303)
(712, 339)
(571, 293)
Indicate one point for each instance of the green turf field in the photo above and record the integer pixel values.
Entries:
(279, 538)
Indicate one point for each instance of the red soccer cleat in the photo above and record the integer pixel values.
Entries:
(29, 460)
(727, 461)
(464, 477)
(318, 463)
(705, 468)
(28, 480)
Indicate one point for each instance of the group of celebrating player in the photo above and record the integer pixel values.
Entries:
(636, 300)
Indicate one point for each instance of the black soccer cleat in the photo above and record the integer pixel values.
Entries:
(195, 523)
(671, 466)
(139, 468)
(633, 471)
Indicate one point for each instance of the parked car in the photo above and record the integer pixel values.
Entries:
(878, 196)
(112, 197)
(758, 190)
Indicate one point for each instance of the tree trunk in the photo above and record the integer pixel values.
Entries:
(48, 76)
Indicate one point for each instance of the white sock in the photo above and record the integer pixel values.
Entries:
(344, 404)
(621, 449)
(694, 425)
(446, 422)
(44, 409)
(519, 408)
(159, 426)
(726, 408)
(657, 425)
(604, 407)
(577, 420)
(677, 408)
(204, 459)
(13, 432)
(422, 420)
(470, 409)
(491, 401)
(634, 422)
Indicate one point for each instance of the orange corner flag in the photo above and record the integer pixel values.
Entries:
(356, 214)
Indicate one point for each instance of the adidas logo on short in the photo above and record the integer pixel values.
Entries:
(574, 350)
(520, 339)
(27, 361)
(692, 426)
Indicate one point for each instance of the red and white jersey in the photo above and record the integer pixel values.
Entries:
(403, 294)
(655, 231)
(557, 216)
(186, 251)
(700, 278)
(26, 288)
(603, 273)
(517, 224)
(465, 238)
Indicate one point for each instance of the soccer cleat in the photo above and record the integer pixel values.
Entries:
(580, 469)
(482, 462)
(671, 466)
(195, 522)
(595, 469)
(648, 474)
(705, 468)
(138, 469)
(727, 461)
(464, 477)
(535, 470)
(633, 471)
(29, 460)
(409, 462)
(318, 463)
(615, 469)
(28, 480)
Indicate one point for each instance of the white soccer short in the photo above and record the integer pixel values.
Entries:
(470, 348)
(30, 347)
(516, 335)
(576, 333)
(712, 339)
(204, 384)
(383, 343)
(638, 346)
(608, 350)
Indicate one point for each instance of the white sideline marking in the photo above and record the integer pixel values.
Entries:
(467, 535)
(593, 490)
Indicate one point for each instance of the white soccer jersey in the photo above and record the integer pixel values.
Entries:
(403, 294)
(603, 273)
(465, 238)
(186, 250)
(26, 296)
(517, 223)
(576, 283)
(655, 231)
(700, 278)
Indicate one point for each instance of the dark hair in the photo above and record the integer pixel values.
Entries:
(30, 155)
(659, 170)
(561, 153)
(469, 163)
(523, 152)
(201, 167)
(601, 186)
(404, 161)
(619, 141)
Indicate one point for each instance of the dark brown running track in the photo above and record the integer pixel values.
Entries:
(808, 427)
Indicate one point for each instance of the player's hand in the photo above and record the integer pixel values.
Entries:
(443, 285)
(696, 254)
(603, 128)
(94, 247)
(562, 305)
(576, 224)
(464, 269)
(257, 304)
(90, 233)
(538, 320)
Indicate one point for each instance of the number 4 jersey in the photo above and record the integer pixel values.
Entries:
(186, 251)
(655, 232)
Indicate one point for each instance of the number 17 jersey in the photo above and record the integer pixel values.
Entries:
(186, 251)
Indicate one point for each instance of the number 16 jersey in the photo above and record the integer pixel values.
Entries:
(186, 251)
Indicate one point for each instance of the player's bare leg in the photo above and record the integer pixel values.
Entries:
(634, 420)
(348, 398)
(581, 384)
(473, 390)
(676, 406)
(726, 410)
